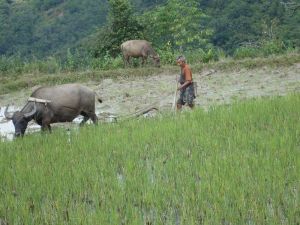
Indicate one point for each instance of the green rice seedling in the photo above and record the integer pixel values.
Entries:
(234, 164)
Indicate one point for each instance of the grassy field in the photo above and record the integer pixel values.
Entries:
(237, 164)
(234, 164)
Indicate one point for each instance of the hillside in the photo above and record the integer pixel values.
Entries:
(46, 28)
(43, 27)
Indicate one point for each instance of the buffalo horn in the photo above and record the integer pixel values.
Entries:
(6, 114)
(30, 114)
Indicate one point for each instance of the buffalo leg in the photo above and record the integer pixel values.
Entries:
(126, 60)
(85, 118)
(46, 127)
(94, 118)
(144, 59)
(88, 116)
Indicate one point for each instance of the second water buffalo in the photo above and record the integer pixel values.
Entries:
(139, 49)
(61, 103)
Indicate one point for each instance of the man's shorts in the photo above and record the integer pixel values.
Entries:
(187, 95)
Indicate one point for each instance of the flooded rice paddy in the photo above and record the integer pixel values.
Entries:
(123, 97)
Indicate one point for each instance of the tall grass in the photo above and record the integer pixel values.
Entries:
(236, 164)
(82, 60)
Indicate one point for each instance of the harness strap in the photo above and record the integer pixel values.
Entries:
(31, 99)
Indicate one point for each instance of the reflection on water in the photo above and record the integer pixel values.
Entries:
(6, 127)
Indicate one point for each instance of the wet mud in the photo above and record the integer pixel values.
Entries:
(123, 97)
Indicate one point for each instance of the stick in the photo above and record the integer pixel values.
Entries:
(175, 95)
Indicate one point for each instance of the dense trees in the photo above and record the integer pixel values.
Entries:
(237, 23)
(43, 28)
(176, 24)
(121, 26)
(4, 27)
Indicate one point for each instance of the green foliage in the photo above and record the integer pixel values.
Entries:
(44, 28)
(176, 24)
(238, 22)
(11, 65)
(272, 47)
(107, 62)
(76, 60)
(167, 54)
(16, 74)
(202, 56)
(122, 26)
(289, 29)
(246, 52)
(265, 48)
(47, 4)
(5, 31)
(15, 65)
(50, 27)
(49, 65)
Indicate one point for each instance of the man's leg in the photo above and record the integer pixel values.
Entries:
(190, 96)
(179, 106)
(180, 101)
(191, 105)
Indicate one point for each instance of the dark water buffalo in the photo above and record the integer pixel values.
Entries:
(60, 103)
(139, 48)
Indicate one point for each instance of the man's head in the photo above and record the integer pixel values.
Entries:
(180, 60)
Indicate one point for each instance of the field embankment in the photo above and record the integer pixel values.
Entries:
(125, 91)
(234, 164)
(17, 81)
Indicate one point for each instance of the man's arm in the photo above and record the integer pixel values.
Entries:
(186, 83)
(188, 79)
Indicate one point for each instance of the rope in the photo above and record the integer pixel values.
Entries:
(139, 112)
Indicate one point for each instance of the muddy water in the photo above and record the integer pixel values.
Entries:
(123, 97)
(6, 126)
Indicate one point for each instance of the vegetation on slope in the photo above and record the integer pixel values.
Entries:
(26, 75)
(45, 28)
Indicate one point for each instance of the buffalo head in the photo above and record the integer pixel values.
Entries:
(20, 120)
(156, 60)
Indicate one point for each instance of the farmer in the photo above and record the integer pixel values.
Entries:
(186, 87)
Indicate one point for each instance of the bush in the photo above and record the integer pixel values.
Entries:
(50, 65)
(202, 56)
(246, 52)
(167, 54)
(12, 64)
(107, 62)
(272, 47)
(265, 48)
(4, 64)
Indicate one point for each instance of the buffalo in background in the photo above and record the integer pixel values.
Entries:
(139, 49)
